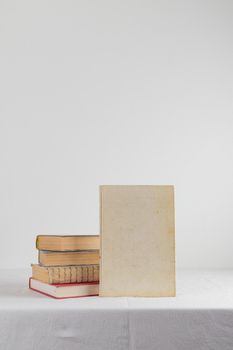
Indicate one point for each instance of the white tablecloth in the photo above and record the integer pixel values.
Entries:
(200, 317)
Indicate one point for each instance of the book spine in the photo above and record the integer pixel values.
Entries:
(73, 274)
(37, 239)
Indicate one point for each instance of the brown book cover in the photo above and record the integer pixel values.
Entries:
(67, 242)
(51, 258)
(65, 274)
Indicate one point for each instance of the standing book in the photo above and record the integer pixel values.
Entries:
(137, 246)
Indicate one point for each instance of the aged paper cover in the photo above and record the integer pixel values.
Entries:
(137, 228)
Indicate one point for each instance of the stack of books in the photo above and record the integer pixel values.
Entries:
(68, 266)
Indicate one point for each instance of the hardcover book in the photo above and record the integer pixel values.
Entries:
(137, 245)
(65, 274)
(50, 258)
(63, 291)
(66, 243)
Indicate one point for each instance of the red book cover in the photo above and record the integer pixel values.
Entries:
(61, 285)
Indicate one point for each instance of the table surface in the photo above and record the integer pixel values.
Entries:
(199, 317)
(195, 290)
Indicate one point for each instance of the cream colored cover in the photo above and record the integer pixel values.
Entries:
(137, 228)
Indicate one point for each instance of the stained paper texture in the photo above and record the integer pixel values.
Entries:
(137, 241)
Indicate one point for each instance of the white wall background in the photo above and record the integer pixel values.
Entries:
(116, 92)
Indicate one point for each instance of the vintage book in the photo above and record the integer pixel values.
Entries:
(137, 245)
(64, 243)
(63, 291)
(50, 258)
(65, 274)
